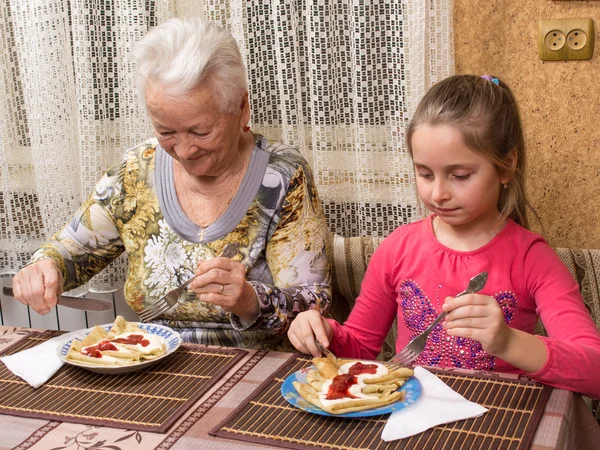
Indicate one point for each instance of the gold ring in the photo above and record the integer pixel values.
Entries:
(222, 289)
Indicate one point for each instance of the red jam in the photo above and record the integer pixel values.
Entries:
(340, 386)
(133, 339)
(95, 351)
(360, 368)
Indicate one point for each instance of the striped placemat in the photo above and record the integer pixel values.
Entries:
(149, 400)
(515, 409)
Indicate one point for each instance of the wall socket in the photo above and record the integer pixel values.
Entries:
(565, 39)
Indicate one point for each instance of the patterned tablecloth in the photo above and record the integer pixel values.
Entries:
(565, 420)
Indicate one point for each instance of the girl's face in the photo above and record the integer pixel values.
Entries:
(460, 186)
(194, 131)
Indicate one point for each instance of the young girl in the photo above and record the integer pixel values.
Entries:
(467, 146)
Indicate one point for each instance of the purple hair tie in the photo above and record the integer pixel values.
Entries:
(490, 79)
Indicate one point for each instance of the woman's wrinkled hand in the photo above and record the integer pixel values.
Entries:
(39, 285)
(478, 317)
(222, 281)
(305, 328)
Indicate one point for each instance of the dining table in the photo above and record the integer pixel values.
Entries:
(230, 398)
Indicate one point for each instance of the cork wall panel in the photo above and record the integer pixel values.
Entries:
(559, 102)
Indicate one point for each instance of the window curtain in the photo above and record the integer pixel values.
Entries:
(338, 80)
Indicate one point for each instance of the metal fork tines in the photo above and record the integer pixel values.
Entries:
(165, 303)
(414, 348)
(177, 295)
(392, 366)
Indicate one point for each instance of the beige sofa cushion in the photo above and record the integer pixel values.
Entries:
(584, 265)
(349, 259)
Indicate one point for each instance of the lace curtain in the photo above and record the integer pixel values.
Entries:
(338, 80)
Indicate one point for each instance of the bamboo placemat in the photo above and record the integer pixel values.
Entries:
(148, 400)
(515, 409)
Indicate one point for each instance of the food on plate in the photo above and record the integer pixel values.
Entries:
(124, 344)
(352, 385)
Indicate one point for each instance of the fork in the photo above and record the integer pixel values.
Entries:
(175, 296)
(412, 350)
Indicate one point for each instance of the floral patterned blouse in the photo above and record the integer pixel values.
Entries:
(276, 218)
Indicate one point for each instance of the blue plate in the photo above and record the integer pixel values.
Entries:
(411, 389)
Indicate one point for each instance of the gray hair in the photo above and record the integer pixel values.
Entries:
(183, 54)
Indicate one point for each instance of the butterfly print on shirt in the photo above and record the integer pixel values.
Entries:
(441, 349)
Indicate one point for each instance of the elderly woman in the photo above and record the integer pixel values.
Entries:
(174, 203)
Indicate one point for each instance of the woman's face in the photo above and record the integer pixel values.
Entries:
(194, 131)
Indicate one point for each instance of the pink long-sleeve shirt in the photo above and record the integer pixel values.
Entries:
(411, 273)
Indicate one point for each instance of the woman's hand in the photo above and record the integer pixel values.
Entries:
(222, 281)
(478, 317)
(39, 285)
(307, 326)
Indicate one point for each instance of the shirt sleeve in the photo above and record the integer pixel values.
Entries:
(573, 341)
(90, 241)
(296, 256)
(372, 316)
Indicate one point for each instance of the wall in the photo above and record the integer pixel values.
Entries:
(560, 107)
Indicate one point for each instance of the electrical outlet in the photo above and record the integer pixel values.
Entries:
(565, 39)
(555, 40)
(576, 39)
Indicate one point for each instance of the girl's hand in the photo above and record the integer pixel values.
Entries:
(39, 285)
(305, 328)
(477, 317)
(222, 281)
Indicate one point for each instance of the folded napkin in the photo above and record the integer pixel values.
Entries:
(36, 365)
(438, 404)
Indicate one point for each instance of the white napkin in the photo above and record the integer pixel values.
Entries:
(36, 365)
(438, 404)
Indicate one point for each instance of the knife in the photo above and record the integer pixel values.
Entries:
(328, 353)
(68, 301)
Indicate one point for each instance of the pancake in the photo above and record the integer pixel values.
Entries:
(353, 386)
(124, 344)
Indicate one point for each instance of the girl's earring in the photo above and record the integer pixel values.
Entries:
(505, 185)
(246, 129)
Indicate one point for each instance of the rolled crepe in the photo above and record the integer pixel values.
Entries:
(121, 326)
(309, 394)
(373, 388)
(96, 335)
(325, 367)
(315, 379)
(402, 373)
(364, 403)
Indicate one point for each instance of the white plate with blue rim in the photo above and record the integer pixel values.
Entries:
(171, 337)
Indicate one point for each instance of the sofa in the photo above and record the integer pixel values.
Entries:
(349, 258)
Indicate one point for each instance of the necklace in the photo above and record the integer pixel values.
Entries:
(204, 224)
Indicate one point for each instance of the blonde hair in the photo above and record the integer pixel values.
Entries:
(183, 54)
(485, 111)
